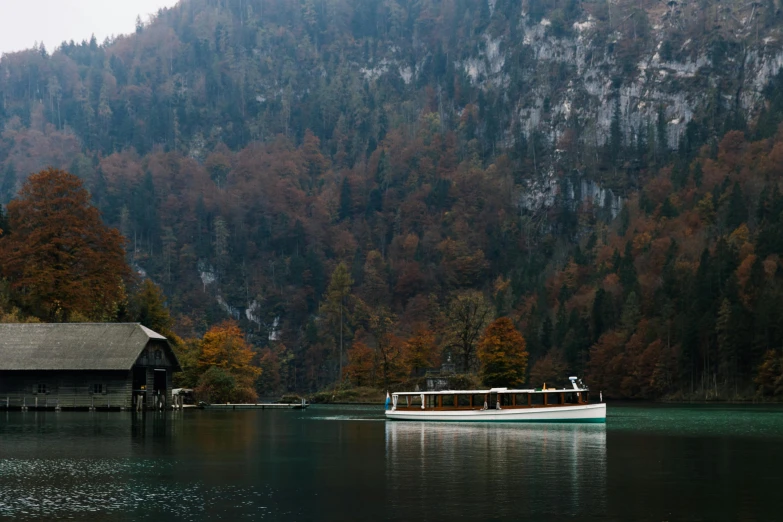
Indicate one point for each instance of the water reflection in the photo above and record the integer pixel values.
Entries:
(343, 464)
(498, 471)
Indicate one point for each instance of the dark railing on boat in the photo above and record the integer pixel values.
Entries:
(489, 400)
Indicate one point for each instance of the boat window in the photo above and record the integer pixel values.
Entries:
(464, 401)
(448, 401)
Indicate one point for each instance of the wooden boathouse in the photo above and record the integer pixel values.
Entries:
(88, 366)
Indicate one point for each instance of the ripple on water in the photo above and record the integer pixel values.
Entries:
(65, 488)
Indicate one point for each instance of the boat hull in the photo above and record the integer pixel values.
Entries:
(580, 413)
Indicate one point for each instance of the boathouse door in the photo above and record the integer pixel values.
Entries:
(139, 385)
(159, 388)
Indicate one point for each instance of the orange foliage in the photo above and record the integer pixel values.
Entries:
(419, 349)
(549, 369)
(503, 355)
(607, 364)
(224, 346)
(361, 365)
(730, 149)
(61, 259)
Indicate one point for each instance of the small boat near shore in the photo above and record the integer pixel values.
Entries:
(499, 405)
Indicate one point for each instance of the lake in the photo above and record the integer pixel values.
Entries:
(337, 463)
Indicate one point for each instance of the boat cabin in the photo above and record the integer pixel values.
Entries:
(492, 399)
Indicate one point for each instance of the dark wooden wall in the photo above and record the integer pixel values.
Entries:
(66, 389)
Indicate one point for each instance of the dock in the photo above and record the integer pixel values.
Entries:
(257, 406)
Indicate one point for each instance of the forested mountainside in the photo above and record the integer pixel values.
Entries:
(605, 173)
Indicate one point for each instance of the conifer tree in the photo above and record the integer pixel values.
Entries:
(3, 222)
(346, 201)
(149, 308)
(335, 302)
(737, 212)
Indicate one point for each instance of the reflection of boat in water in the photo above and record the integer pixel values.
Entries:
(499, 405)
(442, 471)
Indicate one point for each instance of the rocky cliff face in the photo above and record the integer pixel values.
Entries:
(650, 70)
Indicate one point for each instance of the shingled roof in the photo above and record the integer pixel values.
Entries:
(75, 346)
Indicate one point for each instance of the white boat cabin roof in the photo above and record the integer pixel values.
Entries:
(491, 390)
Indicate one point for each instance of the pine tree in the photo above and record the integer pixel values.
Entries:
(8, 182)
(3, 222)
(597, 314)
(631, 314)
(615, 130)
(335, 303)
(148, 307)
(546, 333)
(346, 201)
(737, 212)
(627, 271)
(727, 352)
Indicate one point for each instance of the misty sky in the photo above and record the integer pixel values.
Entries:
(24, 22)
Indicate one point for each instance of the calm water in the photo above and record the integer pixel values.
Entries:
(347, 463)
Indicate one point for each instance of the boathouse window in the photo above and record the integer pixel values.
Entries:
(97, 388)
(40, 389)
(158, 355)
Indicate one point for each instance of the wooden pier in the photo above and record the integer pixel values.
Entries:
(258, 406)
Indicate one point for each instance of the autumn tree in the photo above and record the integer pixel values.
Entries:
(550, 368)
(188, 353)
(275, 362)
(334, 306)
(769, 377)
(224, 347)
(467, 316)
(502, 354)
(420, 349)
(361, 362)
(219, 385)
(61, 260)
(388, 347)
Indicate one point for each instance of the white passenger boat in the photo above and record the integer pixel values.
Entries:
(499, 405)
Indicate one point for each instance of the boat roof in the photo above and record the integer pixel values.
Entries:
(491, 390)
